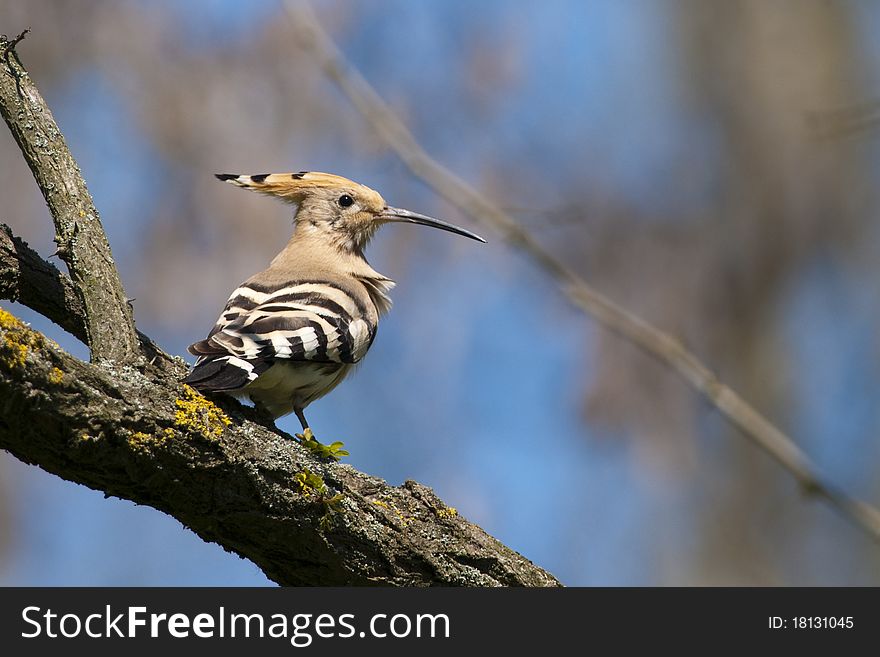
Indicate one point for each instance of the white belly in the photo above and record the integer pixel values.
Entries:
(289, 385)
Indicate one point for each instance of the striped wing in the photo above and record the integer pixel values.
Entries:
(308, 321)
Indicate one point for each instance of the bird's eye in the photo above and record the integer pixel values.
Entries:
(345, 201)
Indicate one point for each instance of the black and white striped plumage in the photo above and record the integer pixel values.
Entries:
(288, 343)
(291, 333)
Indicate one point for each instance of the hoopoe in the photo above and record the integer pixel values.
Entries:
(291, 333)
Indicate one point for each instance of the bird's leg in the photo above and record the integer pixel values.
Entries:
(307, 438)
(302, 418)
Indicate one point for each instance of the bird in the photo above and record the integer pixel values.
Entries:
(291, 333)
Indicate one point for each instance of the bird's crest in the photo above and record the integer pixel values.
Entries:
(294, 187)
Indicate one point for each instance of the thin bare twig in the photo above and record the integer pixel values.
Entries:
(650, 339)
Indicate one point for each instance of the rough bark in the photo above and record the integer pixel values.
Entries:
(27, 278)
(82, 243)
(125, 425)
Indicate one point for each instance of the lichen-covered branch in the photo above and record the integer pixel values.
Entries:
(233, 479)
(82, 244)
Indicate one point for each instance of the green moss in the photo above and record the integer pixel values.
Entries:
(197, 415)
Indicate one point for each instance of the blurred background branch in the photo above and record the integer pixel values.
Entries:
(653, 341)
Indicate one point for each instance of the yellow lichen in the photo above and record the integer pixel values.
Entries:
(13, 354)
(391, 506)
(9, 321)
(198, 415)
(447, 512)
(16, 341)
(56, 376)
(144, 442)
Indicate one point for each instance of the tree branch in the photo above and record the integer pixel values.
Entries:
(82, 244)
(129, 427)
(26, 277)
(232, 479)
(656, 343)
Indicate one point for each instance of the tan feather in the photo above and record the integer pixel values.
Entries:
(293, 187)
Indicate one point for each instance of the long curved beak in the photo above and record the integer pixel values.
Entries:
(399, 215)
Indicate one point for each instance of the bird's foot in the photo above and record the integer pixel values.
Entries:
(333, 451)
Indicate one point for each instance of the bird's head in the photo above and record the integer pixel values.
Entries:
(334, 208)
